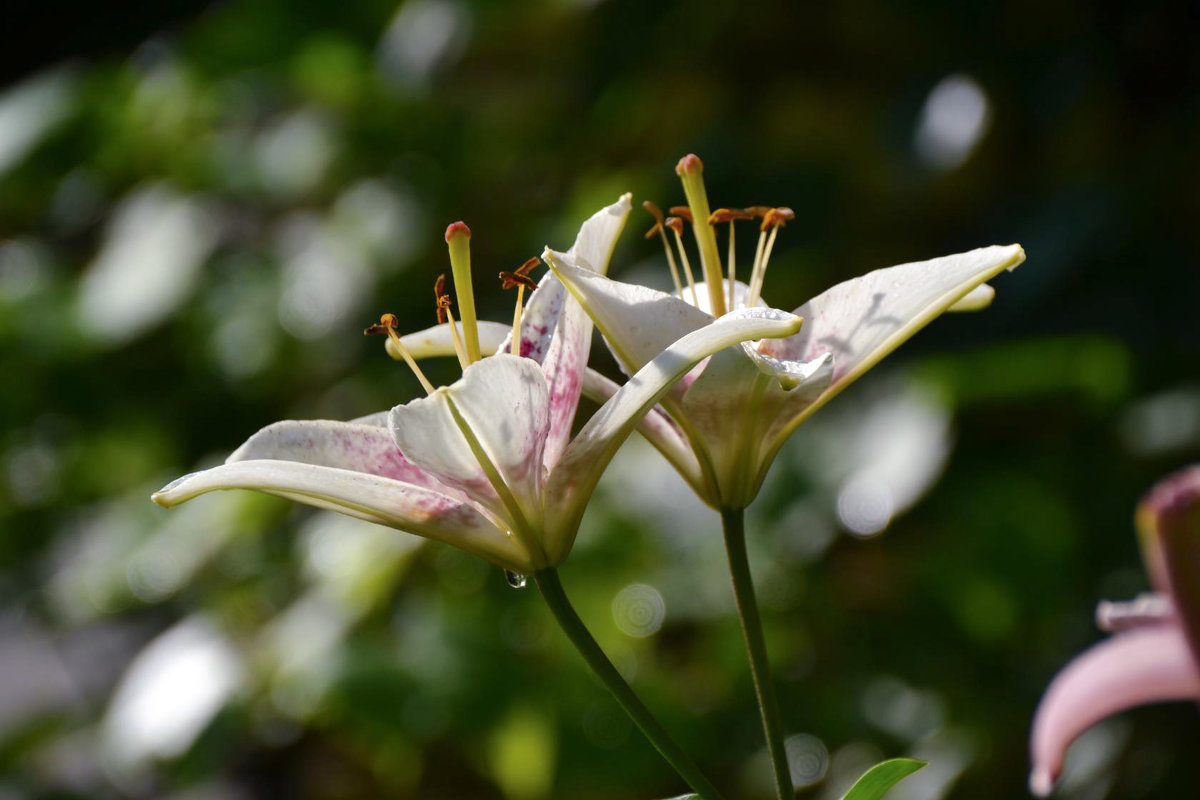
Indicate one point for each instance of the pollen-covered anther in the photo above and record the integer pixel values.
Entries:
(389, 324)
(728, 215)
(777, 217)
(520, 276)
(441, 298)
(681, 211)
(657, 213)
(444, 315)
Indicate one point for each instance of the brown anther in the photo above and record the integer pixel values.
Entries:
(520, 275)
(655, 212)
(757, 211)
(689, 163)
(442, 298)
(682, 211)
(457, 229)
(777, 217)
(388, 322)
(728, 215)
(675, 224)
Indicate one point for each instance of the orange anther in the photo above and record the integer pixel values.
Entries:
(675, 224)
(387, 322)
(520, 275)
(655, 212)
(728, 215)
(777, 217)
(757, 211)
(441, 297)
(682, 211)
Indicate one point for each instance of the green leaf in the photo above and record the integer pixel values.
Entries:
(876, 781)
(685, 797)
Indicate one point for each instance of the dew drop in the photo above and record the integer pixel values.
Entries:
(515, 579)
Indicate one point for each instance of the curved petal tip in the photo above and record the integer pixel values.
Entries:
(1041, 783)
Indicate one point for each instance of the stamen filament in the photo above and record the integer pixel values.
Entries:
(751, 298)
(659, 223)
(459, 350)
(387, 324)
(444, 313)
(458, 237)
(690, 170)
(671, 262)
(676, 226)
(732, 265)
(774, 219)
(515, 347)
(520, 279)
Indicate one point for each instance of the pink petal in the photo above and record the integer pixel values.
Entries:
(1140, 666)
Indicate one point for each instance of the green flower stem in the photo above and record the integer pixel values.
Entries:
(551, 588)
(734, 523)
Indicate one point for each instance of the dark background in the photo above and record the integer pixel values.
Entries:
(202, 205)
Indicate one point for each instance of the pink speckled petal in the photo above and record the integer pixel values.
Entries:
(862, 320)
(1145, 665)
(484, 434)
(371, 497)
(342, 445)
(573, 480)
(568, 351)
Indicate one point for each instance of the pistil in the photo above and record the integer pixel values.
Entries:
(444, 315)
(520, 279)
(676, 226)
(660, 229)
(458, 237)
(690, 170)
(388, 324)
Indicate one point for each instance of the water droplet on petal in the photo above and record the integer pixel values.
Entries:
(515, 579)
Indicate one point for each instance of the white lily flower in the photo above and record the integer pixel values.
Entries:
(723, 424)
(485, 464)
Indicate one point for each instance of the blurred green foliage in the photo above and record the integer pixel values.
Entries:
(194, 231)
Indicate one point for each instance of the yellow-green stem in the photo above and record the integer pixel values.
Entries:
(550, 586)
(734, 524)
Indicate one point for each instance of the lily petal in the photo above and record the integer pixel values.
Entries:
(637, 322)
(597, 238)
(573, 480)
(484, 434)
(371, 497)
(862, 320)
(341, 445)
(656, 427)
(1144, 665)
(736, 406)
(437, 341)
(567, 355)
(977, 299)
